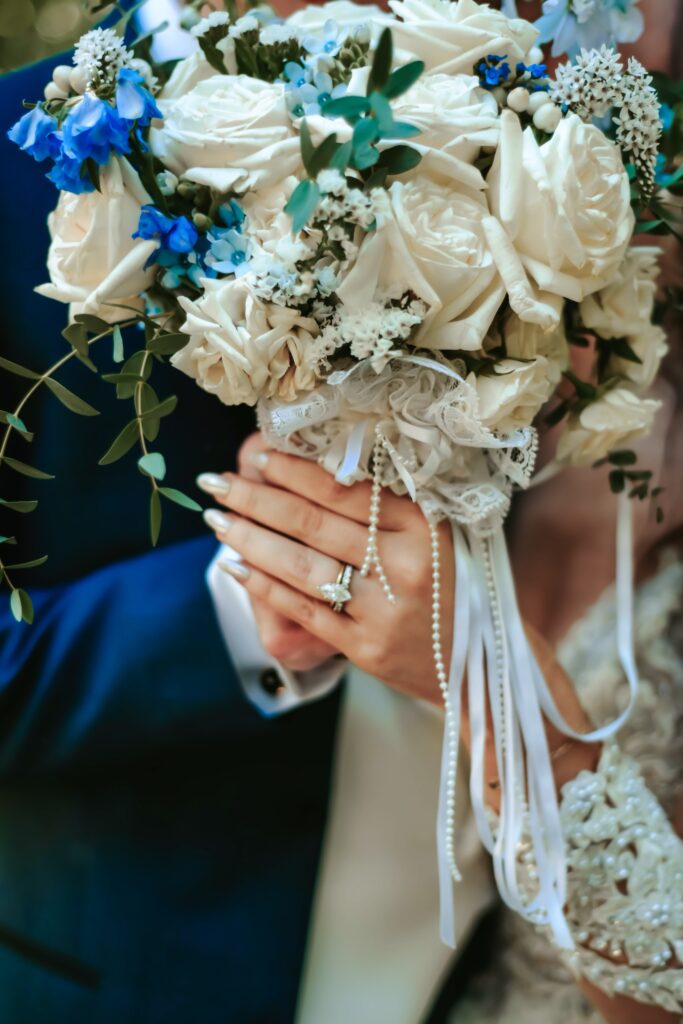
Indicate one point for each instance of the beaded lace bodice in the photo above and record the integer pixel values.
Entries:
(623, 899)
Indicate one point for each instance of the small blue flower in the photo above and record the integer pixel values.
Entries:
(176, 234)
(134, 102)
(492, 71)
(37, 134)
(535, 70)
(93, 129)
(573, 25)
(232, 214)
(331, 42)
(228, 251)
(68, 177)
(666, 116)
(312, 96)
(296, 75)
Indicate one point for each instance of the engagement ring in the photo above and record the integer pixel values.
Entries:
(338, 593)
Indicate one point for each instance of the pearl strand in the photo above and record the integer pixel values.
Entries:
(442, 678)
(498, 644)
(372, 558)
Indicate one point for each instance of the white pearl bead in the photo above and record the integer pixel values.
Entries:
(78, 80)
(61, 76)
(548, 118)
(518, 100)
(537, 100)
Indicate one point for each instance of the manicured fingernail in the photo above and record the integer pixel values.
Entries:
(236, 569)
(212, 483)
(259, 459)
(216, 520)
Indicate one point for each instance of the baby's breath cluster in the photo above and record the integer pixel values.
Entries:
(376, 331)
(595, 84)
(100, 54)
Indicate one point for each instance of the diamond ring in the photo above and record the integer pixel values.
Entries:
(338, 593)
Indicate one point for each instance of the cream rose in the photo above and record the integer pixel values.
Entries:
(241, 348)
(524, 340)
(312, 19)
(93, 258)
(565, 205)
(267, 223)
(229, 132)
(615, 421)
(513, 393)
(452, 37)
(185, 75)
(456, 117)
(625, 305)
(430, 241)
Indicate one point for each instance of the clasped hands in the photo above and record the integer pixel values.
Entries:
(295, 526)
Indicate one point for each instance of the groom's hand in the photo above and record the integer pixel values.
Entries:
(289, 643)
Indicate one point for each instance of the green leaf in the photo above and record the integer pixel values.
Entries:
(401, 130)
(77, 337)
(164, 408)
(19, 506)
(167, 344)
(620, 347)
(382, 111)
(617, 481)
(180, 499)
(21, 606)
(92, 170)
(117, 350)
(154, 516)
(8, 540)
(302, 203)
(121, 444)
(17, 370)
(376, 179)
(623, 457)
(364, 134)
(307, 147)
(381, 64)
(69, 399)
(26, 470)
(93, 324)
(347, 107)
(643, 226)
(153, 464)
(402, 79)
(34, 563)
(398, 159)
(149, 400)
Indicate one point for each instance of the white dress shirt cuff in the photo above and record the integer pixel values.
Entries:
(270, 687)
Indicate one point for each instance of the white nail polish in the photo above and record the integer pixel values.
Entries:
(236, 569)
(217, 520)
(259, 459)
(212, 483)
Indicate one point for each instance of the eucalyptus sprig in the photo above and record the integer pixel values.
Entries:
(132, 381)
(372, 122)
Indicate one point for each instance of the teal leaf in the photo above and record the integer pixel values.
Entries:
(180, 499)
(342, 155)
(153, 464)
(624, 457)
(117, 346)
(402, 79)
(323, 154)
(307, 147)
(398, 159)
(69, 399)
(349, 107)
(26, 470)
(302, 203)
(381, 64)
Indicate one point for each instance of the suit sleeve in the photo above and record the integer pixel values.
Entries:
(126, 659)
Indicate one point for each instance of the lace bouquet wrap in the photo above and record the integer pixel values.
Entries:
(385, 231)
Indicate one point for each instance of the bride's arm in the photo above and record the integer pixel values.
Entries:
(295, 530)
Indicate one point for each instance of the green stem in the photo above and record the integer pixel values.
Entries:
(138, 413)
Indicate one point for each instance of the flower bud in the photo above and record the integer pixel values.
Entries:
(78, 80)
(53, 92)
(535, 56)
(167, 182)
(201, 221)
(547, 118)
(518, 100)
(537, 100)
(186, 189)
(500, 94)
(61, 76)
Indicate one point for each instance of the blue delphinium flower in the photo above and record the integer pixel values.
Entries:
(666, 116)
(493, 70)
(573, 25)
(134, 102)
(329, 43)
(67, 174)
(177, 234)
(232, 214)
(37, 133)
(93, 128)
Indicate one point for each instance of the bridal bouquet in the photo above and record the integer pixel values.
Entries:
(386, 235)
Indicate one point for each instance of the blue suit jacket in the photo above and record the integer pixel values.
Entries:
(158, 839)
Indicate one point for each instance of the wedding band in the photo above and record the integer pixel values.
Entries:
(338, 593)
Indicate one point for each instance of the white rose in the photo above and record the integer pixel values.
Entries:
(615, 421)
(624, 306)
(512, 394)
(229, 132)
(185, 75)
(649, 344)
(452, 37)
(456, 117)
(267, 223)
(241, 348)
(524, 341)
(93, 258)
(312, 19)
(566, 205)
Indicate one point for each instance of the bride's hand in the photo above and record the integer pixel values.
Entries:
(296, 527)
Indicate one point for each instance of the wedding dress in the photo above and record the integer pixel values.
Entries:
(527, 982)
